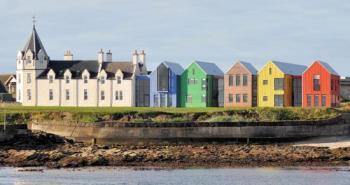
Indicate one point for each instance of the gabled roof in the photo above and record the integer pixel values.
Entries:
(249, 67)
(328, 68)
(112, 67)
(210, 68)
(290, 69)
(34, 44)
(5, 77)
(175, 67)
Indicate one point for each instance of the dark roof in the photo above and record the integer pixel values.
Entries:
(290, 69)
(34, 44)
(210, 68)
(78, 66)
(112, 67)
(249, 67)
(175, 67)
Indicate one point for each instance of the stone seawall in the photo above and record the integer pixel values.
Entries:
(109, 132)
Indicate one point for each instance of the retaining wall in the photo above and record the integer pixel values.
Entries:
(119, 132)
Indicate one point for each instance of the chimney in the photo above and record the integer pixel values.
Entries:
(109, 56)
(100, 56)
(68, 55)
(142, 57)
(135, 57)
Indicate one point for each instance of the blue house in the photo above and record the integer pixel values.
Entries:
(165, 85)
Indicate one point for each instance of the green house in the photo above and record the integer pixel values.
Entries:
(202, 85)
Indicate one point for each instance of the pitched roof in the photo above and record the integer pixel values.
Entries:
(34, 44)
(250, 67)
(175, 67)
(76, 67)
(112, 67)
(328, 67)
(4, 78)
(210, 68)
(291, 69)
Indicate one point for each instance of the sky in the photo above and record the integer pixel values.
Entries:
(183, 31)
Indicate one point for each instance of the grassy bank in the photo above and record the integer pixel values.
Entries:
(19, 114)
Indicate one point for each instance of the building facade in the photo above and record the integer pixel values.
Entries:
(321, 86)
(81, 83)
(280, 84)
(345, 89)
(165, 85)
(241, 85)
(202, 85)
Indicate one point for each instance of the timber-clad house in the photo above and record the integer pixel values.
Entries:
(102, 82)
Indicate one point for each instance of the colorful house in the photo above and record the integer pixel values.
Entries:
(321, 86)
(280, 84)
(241, 85)
(165, 85)
(202, 85)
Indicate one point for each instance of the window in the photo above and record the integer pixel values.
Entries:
(50, 94)
(119, 80)
(279, 100)
(317, 85)
(230, 98)
(204, 98)
(121, 95)
(265, 82)
(238, 80)
(19, 78)
(67, 79)
(116, 95)
(102, 80)
(245, 98)
(193, 71)
(85, 94)
(19, 94)
(279, 84)
(67, 94)
(245, 80)
(270, 71)
(316, 104)
(204, 84)
(265, 98)
(102, 95)
(324, 100)
(29, 94)
(192, 81)
(309, 100)
(238, 98)
(230, 80)
(189, 99)
(50, 79)
(29, 78)
(85, 79)
(155, 100)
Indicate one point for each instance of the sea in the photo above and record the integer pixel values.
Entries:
(193, 176)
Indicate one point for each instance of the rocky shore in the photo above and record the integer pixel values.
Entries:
(41, 149)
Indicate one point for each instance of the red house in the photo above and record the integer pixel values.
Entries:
(321, 86)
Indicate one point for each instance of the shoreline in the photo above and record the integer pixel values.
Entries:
(40, 149)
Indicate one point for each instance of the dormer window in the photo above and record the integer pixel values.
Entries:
(67, 79)
(119, 79)
(103, 80)
(50, 79)
(85, 79)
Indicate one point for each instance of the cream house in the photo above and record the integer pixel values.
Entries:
(82, 83)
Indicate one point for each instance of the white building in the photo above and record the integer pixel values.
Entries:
(86, 83)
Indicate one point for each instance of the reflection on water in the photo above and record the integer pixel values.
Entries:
(249, 176)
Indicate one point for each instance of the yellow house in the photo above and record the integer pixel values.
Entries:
(280, 84)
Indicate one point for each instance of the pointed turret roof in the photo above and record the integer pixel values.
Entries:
(34, 44)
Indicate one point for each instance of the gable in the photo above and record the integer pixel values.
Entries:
(239, 67)
(210, 68)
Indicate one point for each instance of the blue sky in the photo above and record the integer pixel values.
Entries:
(220, 31)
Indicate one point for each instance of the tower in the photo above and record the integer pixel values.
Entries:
(32, 60)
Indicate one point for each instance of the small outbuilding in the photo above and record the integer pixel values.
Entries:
(321, 86)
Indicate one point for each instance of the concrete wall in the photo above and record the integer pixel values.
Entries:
(112, 132)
